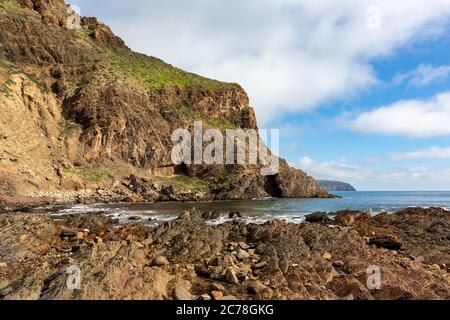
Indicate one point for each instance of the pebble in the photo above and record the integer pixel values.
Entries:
(3, 265)
(259, 265)
(68, 234)
(216, 295)
(161, 261)
(244, 246)
(217, 287)
(327, 256)
(242, 255)
(229, 298)
(255, 286)
(181, 294)
(234, 215)
(231, 277)
(205, 297)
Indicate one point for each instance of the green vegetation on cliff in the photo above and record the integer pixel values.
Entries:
(154, 73)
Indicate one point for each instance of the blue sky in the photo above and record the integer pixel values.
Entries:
(359, 89)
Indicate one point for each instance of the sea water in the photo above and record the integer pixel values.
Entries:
(262, 210)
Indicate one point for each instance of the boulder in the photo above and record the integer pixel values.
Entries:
(181, 294)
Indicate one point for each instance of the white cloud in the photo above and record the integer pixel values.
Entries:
(423, 75)
(413, 178)
(333, 170)
(290, 55)
(430, 153)
(413, 118)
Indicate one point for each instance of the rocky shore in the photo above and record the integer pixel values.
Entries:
(328, 257)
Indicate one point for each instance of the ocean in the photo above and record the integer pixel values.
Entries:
(262, 210)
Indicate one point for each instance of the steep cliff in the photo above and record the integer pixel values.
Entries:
(81, 111)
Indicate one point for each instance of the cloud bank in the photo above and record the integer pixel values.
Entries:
(430, 153)
(412, 118)
(410, 178)
(423, 75)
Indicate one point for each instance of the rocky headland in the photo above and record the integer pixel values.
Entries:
(83, 117)
(329, 185)
(328, 257)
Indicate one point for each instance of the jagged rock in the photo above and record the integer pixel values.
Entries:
(231, 276)
(259, 265)
(295, 267)
(317, 217)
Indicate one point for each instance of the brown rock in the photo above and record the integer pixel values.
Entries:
(181, 294)
(217, 295)
(231, 276)
(161, 261)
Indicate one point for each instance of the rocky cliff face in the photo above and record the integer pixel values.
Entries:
(81, 111)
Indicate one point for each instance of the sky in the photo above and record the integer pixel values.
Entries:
(360, 90)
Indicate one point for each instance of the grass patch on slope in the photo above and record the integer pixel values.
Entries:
(154, 73)
(181, 183)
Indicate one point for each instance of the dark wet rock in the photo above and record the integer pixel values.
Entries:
(210, 215)
(68, 234)
(134, 218)
(234, 215)
(338, 263)
(387, 242)
(167, 191)
(318, 217)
